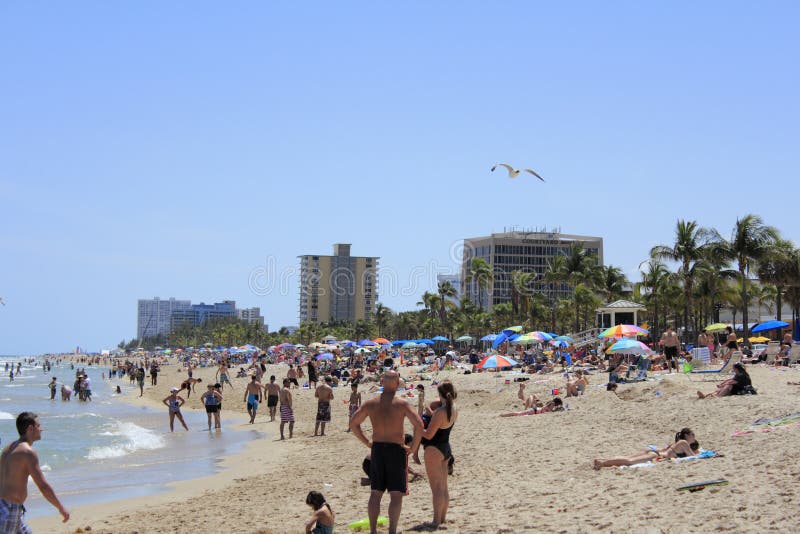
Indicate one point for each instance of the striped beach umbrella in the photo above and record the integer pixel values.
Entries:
(624, 330)
(496, 362)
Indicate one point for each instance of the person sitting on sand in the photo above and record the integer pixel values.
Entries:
(732, 386)
(685, 445)
(321, 521)
(578, 386)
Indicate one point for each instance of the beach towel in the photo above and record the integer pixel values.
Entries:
(769, 424)
(704, 453)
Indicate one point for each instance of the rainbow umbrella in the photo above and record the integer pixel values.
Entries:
(624, 330)
(512, 330)
(629, 346)
(496, 362)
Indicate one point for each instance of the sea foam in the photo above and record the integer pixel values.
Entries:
(6, 415)
(134, 438)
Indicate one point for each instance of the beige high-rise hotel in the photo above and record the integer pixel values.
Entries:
(519, 250)
(340, 287)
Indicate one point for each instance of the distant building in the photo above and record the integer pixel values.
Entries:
(154, 316)
(526, 251)
(159, 317)
(198, 314)
(252, 316)
(340, 287)
(455, 281)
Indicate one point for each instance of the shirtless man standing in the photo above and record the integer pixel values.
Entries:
(324, 395)
(272, 391)
(670, 342)
(17, 463)
(252, 396)
(388, 469)
(291, 375)
(287, 415)
(222, 374)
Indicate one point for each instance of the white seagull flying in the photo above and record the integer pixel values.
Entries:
(513, 173)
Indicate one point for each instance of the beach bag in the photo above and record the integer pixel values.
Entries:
(748, 390)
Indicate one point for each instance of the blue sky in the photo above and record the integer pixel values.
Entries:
(184, 148)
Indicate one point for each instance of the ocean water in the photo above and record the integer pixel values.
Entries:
(107, 449)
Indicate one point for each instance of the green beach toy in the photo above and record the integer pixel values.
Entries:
(703, 485)
(364, 523)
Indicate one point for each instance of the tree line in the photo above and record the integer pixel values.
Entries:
(684, 283)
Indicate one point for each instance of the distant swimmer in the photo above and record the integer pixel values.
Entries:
(18, 462)
(513, 173)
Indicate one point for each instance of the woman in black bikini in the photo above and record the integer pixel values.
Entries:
(685, 445)
(436, 440)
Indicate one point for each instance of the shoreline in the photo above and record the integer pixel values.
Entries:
(227, 466)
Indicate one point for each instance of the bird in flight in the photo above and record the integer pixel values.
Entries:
(513, 173)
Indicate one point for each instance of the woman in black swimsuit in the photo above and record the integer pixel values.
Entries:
(436, 440)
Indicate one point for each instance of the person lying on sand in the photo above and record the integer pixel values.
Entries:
(685, 445)
(555, 405)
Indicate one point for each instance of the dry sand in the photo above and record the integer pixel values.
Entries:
(511, 474)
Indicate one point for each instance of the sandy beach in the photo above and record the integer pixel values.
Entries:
(529, 473)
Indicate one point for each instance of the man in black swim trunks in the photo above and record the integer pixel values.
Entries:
(271, 391)
(670, 342)
(388, 469)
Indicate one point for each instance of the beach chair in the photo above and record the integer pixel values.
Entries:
(736, 357)
(794, 353)
(772, 350)
(701, 356)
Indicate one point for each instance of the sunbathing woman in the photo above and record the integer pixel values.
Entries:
(555, 405)
(685, 445)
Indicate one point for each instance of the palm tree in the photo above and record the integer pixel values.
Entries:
(382, 317)
(780, 266)
(689, 239)
(613, 282)
(446, 295)
(481, 275)
(654, 279)
(750, 240)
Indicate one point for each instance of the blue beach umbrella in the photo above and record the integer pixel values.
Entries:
(367, 343)
(501, 338)
(441, 338)
(325, 356)
(490, 337)
(769, 325)
(425, 342)
(399, 342)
